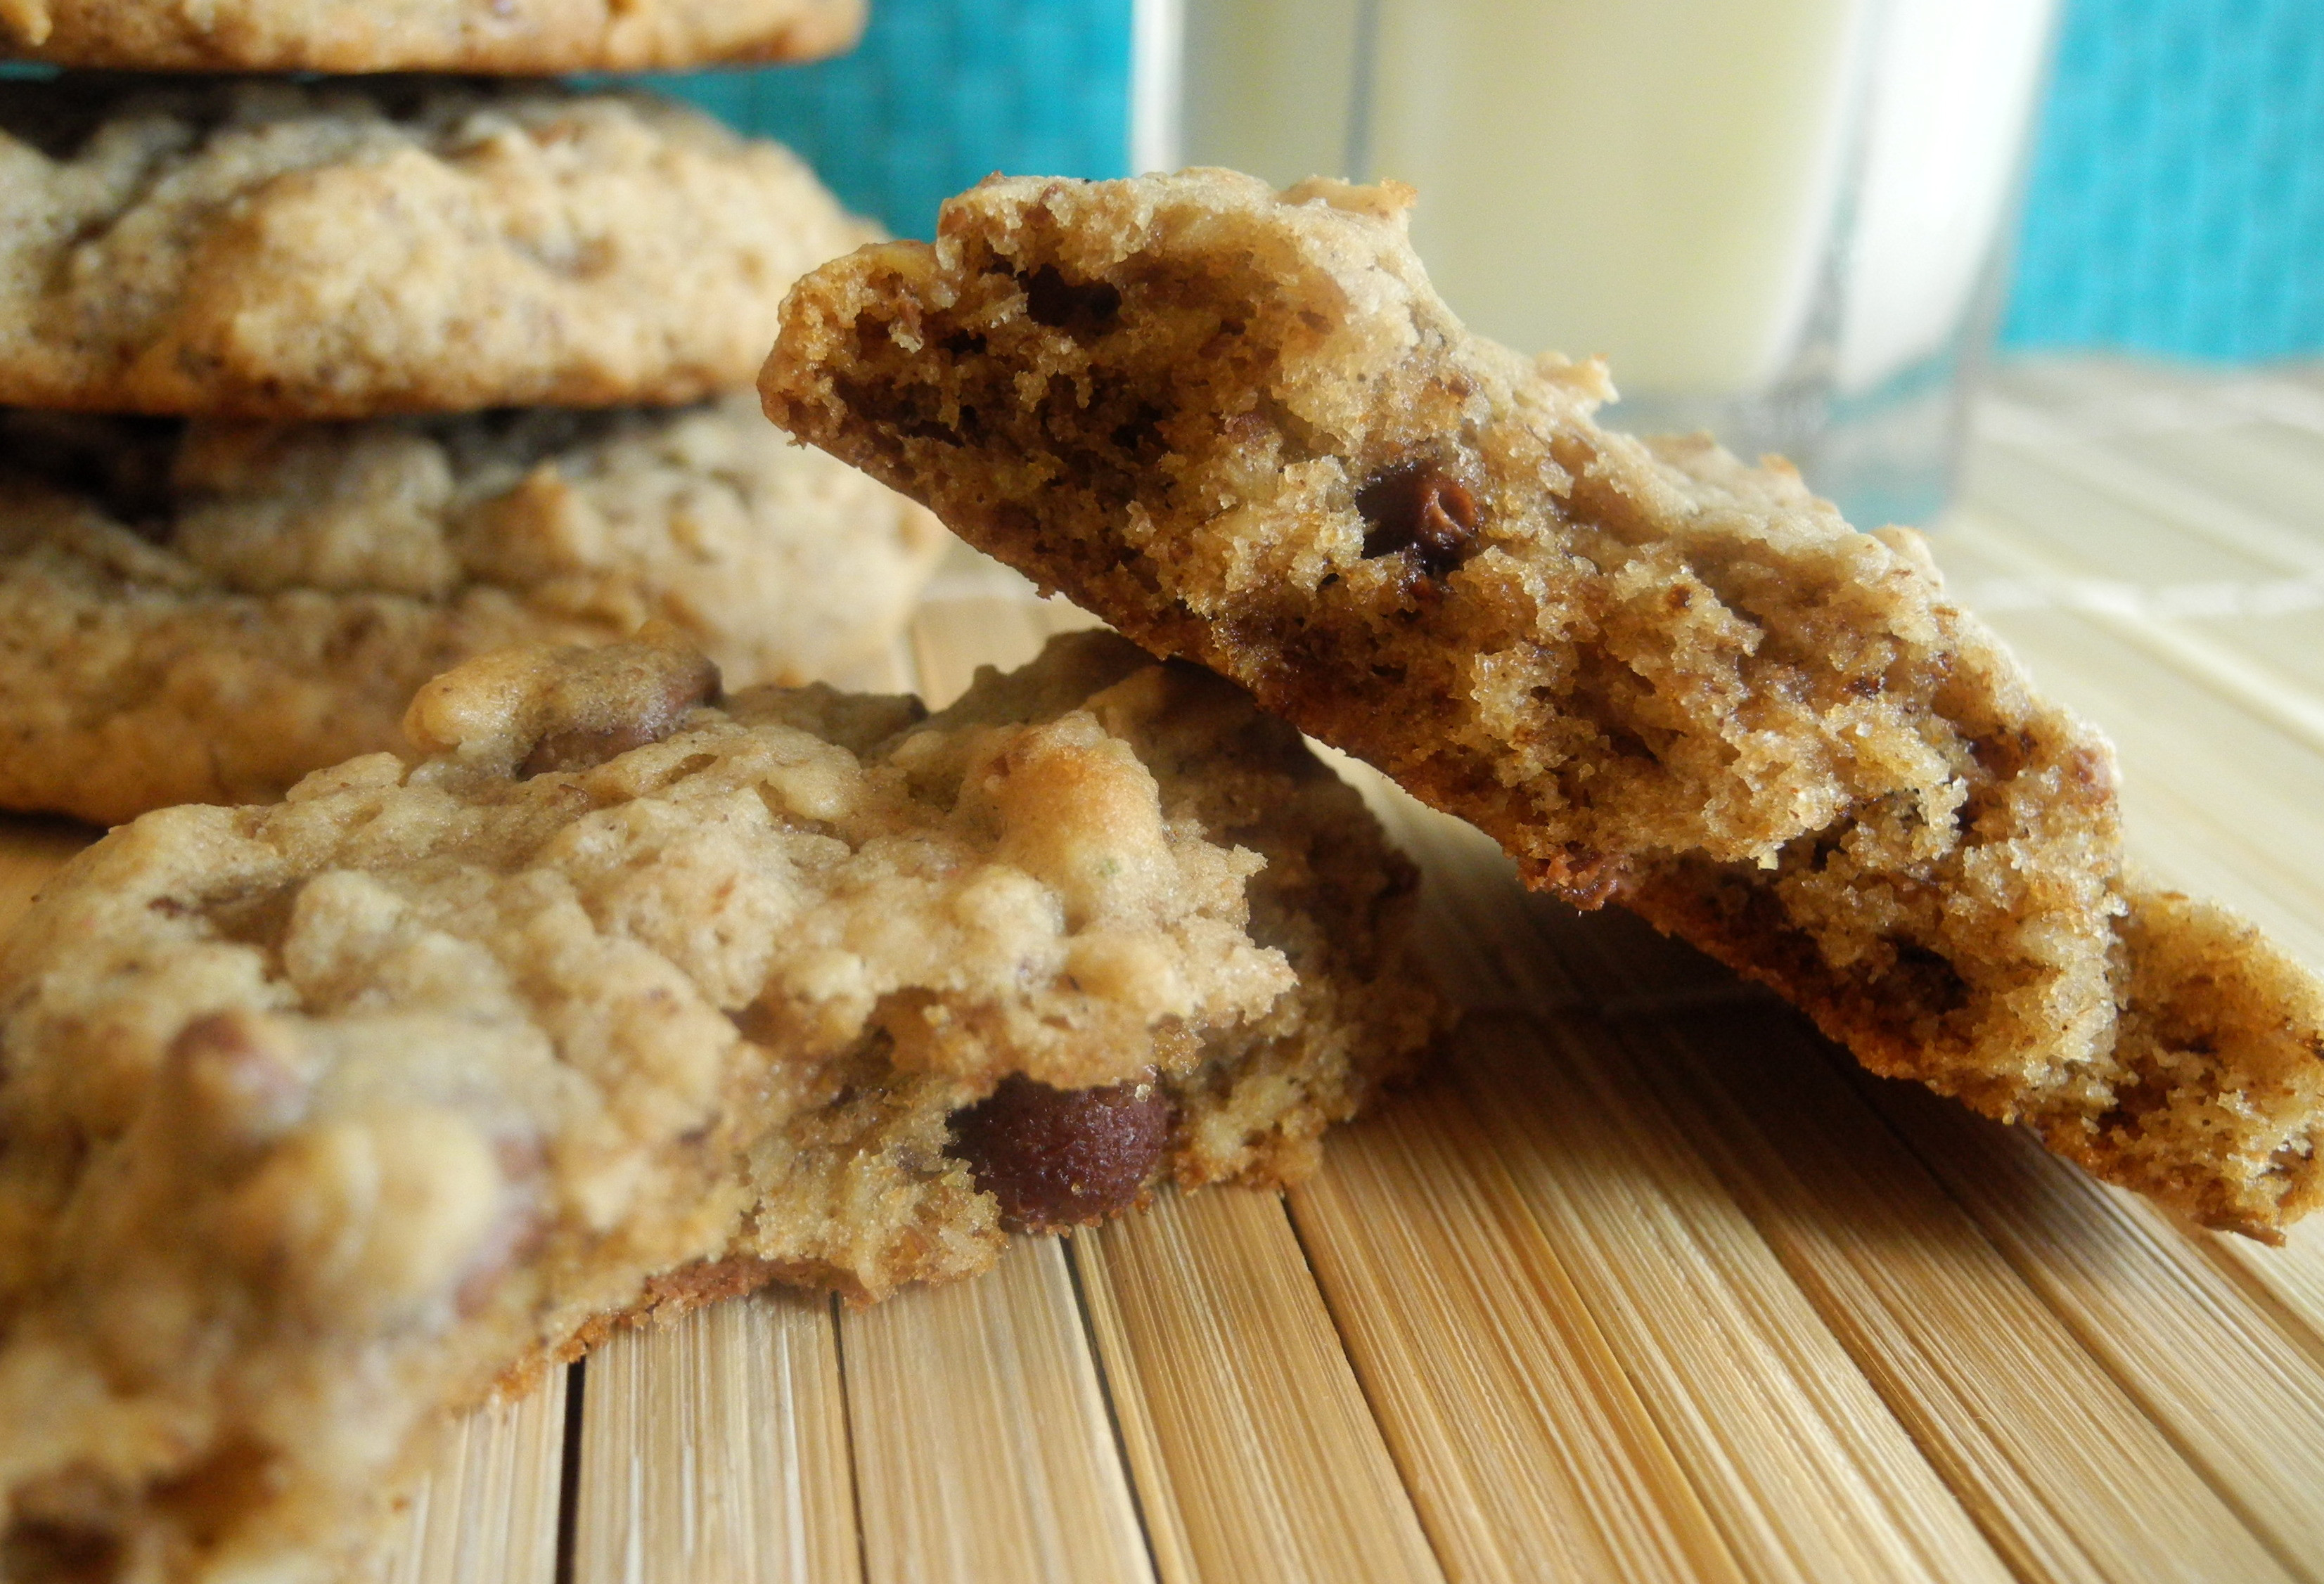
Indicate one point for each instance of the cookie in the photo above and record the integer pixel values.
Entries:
(272, 249)
(1242, 428)
(206, 611)
(515, 36)
(325, 1116)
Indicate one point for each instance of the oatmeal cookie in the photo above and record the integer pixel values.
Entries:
(1241, 426)
(322, 1117)
(516, 36)
(272, 249)
(204, 612)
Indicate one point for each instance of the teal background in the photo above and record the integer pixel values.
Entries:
(2175, 200)
(941, 94)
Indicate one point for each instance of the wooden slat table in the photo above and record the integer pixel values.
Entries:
(1647, 1283)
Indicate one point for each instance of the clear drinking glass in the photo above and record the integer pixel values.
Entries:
(1783, 221)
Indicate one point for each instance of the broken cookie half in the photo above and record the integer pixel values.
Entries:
(320, 1119)
(1241, 426)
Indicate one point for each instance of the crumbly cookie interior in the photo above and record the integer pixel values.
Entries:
(321, 1118)
(1241, 426)
(1252, 423)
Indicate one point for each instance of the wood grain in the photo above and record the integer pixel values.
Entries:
(487, 1510)
(982, 1441)
(1256, 1453)
(2062, 1466)
(1808, 1472)
(715, 1451)
(1528, 1452)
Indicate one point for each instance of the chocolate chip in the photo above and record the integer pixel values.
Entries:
(66, 1528)
(1419, 507)
(238, 1475)
(44, 1552)
(1060, 1157)
(239, 1081)
(623, 711)
(581, 748)
(1052, 300)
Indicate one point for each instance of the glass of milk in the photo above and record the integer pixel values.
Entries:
(1780, 220)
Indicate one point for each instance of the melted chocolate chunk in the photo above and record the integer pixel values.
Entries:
(1421, 507)
(1053, 301)
(581, 748)
(66, 1530)
(1063, 1158)
(42, 1552)
(648, 710)
(237, 1082)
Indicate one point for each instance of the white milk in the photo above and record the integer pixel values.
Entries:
(1656, 181)
(1660, 182)
(1953, 95)
(1267, 85)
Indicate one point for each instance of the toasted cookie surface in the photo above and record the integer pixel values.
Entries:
(205, 612)
(321, 1116)
(274, 249)
(529, 36)
(1241, 426)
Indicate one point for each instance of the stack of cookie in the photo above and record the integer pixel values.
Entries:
(311, 388)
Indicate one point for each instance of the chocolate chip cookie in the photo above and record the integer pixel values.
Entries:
(322, 1117)
(277, 249)
(204, 610)
(1241, 426)
(516, 36)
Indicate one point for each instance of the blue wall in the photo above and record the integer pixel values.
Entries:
(941, 93)
(2175, 205)
(2176, 202)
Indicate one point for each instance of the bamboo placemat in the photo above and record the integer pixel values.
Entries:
(1647, 1283)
